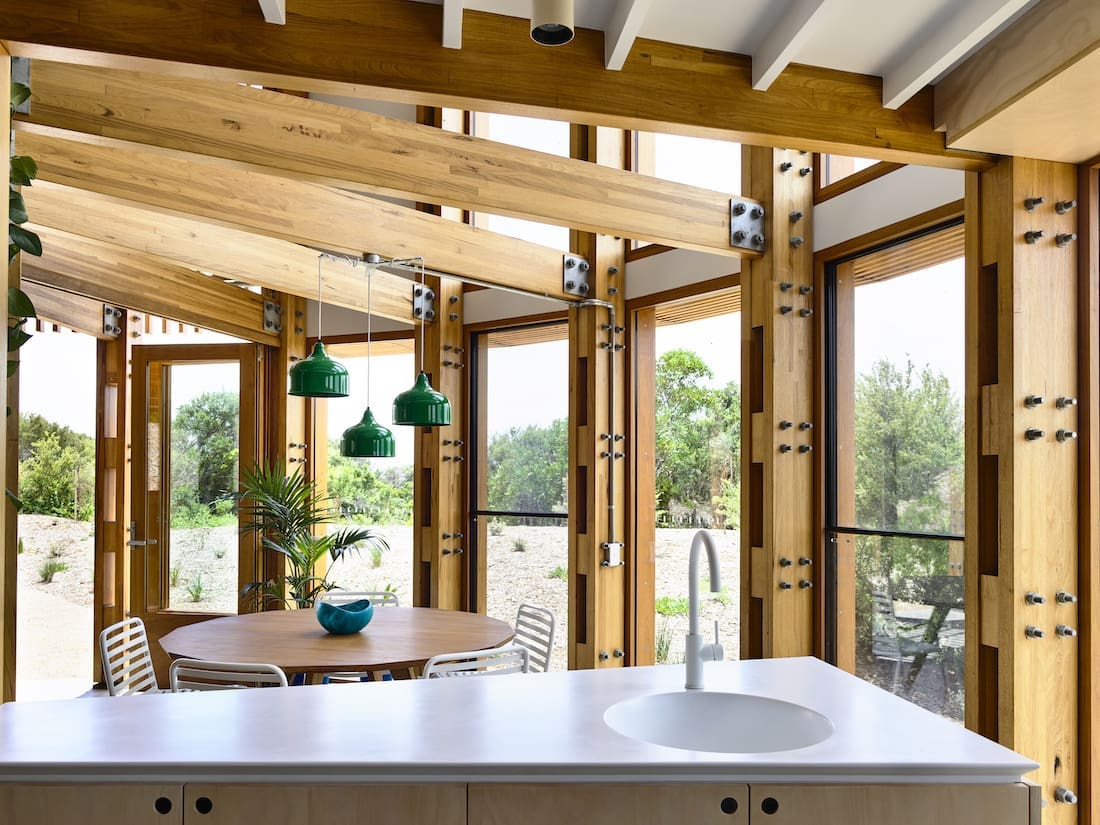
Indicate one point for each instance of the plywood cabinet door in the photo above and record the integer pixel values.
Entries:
(599, 803)
(89, 804)
(891, 805)
(270, 804)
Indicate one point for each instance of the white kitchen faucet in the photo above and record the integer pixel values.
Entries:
(695, 652)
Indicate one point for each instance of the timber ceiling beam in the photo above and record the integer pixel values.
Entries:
(318, 141)
(108, 273)
(971, 23)
(661, 87)
(230, 253)
(1031, 91)
(293, 210)
(66, 309)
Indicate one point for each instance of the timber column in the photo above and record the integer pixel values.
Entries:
(779, 553)
(1022, 468)
(597, 442)
(439, 484)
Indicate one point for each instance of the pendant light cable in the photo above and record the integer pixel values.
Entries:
(319, 258)
(370, 279)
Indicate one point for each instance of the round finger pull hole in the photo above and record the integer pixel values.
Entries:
(729, 805)
(163, 805)
(203, 805)
(769, 805)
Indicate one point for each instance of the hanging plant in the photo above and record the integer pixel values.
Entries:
(21, 171)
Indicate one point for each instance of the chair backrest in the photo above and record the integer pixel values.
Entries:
(195, 674)
(495, 662)
(535, 631)
(884, 626)
(127, 662)
(379, 598)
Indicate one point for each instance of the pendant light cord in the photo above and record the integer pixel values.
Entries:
(423, 328)
(370, 278)
(319, 257)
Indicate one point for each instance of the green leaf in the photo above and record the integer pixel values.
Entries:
(20, 94)
(20, 304)
(13, 250)
(14, 499)
(23, 170)
(13, 367)
(17, 209)
(24, 239)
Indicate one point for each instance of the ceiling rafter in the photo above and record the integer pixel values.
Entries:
(972, 22)
(301, 138)
(778, 48)
(670, 87)
(274, 11)
(336, 219)
(452, 23)
(627, 18)
(226, 252)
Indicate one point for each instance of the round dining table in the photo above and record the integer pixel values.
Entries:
(397, 639)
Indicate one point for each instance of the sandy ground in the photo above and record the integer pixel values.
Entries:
(55, 618)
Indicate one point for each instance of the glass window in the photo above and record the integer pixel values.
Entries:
(550, 136)
(837, 167)
(374, 492)
(710, 164)
(698, 458)
(896, 466)
(521, 390)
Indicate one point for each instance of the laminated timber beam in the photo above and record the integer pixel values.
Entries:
(778, 353)
(67, 309)
(230, 253)
(146, 283)
(661, 86)
(333, 219)
(1023, 342)
(300, 138)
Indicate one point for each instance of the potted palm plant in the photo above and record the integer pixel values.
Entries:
(285, 510)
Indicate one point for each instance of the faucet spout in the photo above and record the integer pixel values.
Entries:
(694, 649)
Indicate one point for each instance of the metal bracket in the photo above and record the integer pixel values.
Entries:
(574, 275)
(423, 303)
(612, 554)
(112, 321)
(746, 225)
(21, 73)
(273, 317)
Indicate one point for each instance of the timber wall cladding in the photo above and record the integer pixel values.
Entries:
(1022, 464)
(777, 357)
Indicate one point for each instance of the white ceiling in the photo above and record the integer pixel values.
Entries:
(910, 43)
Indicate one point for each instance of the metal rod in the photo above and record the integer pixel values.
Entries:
(519, 514)
(896, 534)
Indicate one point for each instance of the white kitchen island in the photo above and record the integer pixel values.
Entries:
(487, 751)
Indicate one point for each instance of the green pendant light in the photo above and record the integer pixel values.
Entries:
(318, 376)
(368, 438)
(422, 406)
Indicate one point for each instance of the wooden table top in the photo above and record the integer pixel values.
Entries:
(397, 638)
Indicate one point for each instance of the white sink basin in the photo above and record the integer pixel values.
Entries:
(697, 720)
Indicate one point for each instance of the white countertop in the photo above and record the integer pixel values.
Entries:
(533, 727)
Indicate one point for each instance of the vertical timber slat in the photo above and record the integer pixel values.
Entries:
(8, 542)
(1022, 517)
(779, 342)
(643, 498)
(597, 616)
(439, 579)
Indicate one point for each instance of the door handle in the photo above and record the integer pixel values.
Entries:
(133, 542)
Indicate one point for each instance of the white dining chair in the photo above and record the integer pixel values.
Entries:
(497, 661)
(127, 661)
(186, 675)
(535, 631)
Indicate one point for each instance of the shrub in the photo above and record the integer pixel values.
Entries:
(195, 589)
(672, 605)
(496, 527)
(558, 573)
(376, 556)
(519, 546)
(663, 643)
(49, 568)
(174, 576)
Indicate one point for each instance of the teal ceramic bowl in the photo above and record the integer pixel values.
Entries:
(342, 619)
